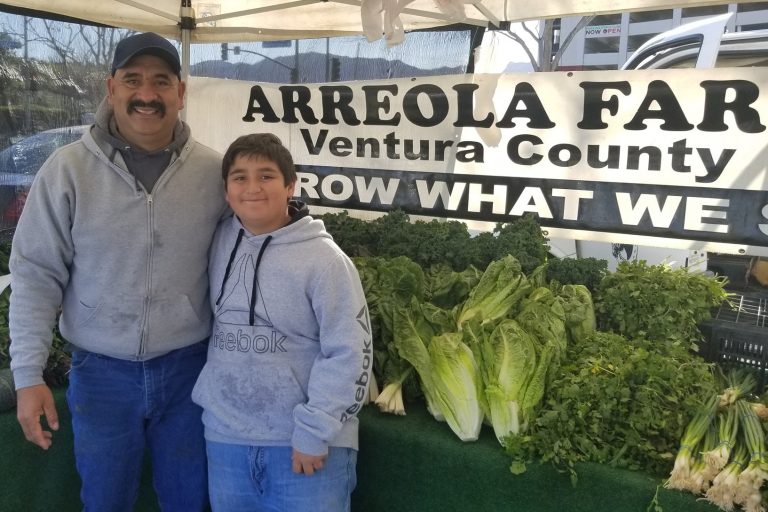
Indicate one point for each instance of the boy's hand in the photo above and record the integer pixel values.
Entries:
(307, 464)
(32, 403)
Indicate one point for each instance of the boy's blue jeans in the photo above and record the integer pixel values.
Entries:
(120, 409)
(259, 478)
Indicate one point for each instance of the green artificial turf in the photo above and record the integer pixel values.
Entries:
(413, 463)
(406, 463)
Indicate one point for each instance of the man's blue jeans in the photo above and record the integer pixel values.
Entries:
(259, 478)
(120, 409)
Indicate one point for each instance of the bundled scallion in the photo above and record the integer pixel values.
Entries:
(391, 397)
(722, 492)
(728, 427)
(751, 479)
(694, 432)
(701, 472)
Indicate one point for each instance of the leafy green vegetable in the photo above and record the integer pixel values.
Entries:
(355, 236)
(438, 241)
(456, 385)
(507, 359)
(522, 238)
(542, 315)
(389, 284)
(501, 287)
(657, 302)
(447, 288)
(617, 402)
(579, 311)
(391, 397)
(412, 335)
(585, 271)
(446, 369)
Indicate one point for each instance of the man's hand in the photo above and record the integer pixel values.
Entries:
(307, 464)
(32, 403)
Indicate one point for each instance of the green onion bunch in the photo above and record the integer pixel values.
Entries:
(722, 453)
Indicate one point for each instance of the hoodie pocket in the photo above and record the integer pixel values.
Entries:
(117, 313)
(173, 317)
(253, 403)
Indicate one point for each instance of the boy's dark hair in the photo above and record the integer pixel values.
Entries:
(265, 145)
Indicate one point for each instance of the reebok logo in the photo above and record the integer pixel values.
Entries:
(242, 342)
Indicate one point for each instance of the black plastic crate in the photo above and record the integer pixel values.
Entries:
(737, 345)
(744, 308)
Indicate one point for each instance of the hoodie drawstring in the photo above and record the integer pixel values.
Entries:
(229, 263)
(254, 289)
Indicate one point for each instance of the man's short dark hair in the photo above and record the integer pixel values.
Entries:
(265, 145)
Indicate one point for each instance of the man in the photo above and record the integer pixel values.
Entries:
(115, 235)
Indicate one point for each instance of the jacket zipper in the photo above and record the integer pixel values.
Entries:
(148, 284)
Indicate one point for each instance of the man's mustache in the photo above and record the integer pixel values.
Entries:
(160, 107)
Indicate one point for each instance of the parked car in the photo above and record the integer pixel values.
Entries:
(20, 162)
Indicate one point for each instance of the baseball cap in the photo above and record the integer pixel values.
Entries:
(147, 43)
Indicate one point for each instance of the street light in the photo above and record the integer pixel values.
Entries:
(237, 50)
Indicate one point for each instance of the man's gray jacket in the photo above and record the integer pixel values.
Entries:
(126, 268)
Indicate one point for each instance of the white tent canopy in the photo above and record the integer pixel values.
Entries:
(263, 20)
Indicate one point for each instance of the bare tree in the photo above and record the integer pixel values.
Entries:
(543, 60)
(71, 42)
(61, 73)
(99, 43)
(59, 37)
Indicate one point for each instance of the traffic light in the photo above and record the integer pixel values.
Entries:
(224, 51)
(335, 69)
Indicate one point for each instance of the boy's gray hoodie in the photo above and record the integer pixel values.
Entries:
(127, 268)
(290, 355)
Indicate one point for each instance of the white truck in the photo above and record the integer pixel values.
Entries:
(699, 44)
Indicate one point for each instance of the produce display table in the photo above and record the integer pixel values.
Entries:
(406, 463)
(413, 463)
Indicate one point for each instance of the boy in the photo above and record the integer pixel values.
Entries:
(290, 355)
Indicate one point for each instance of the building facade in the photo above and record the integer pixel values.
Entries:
(610, 39)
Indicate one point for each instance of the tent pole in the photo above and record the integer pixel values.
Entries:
(185, 47)
(187, 24)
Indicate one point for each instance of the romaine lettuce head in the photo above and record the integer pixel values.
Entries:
(500, 288)
(579, 311)
(542, 315)
(402, 277)
(412, 335)
(447, 288)
(507, 358)
(456, 385)
(515, 357)
(442, 320)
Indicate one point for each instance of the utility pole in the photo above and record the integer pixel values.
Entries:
(296, 63)
(27, 82)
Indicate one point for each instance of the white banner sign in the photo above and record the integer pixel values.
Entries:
(669, 156)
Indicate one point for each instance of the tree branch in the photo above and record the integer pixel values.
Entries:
(564, 43)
